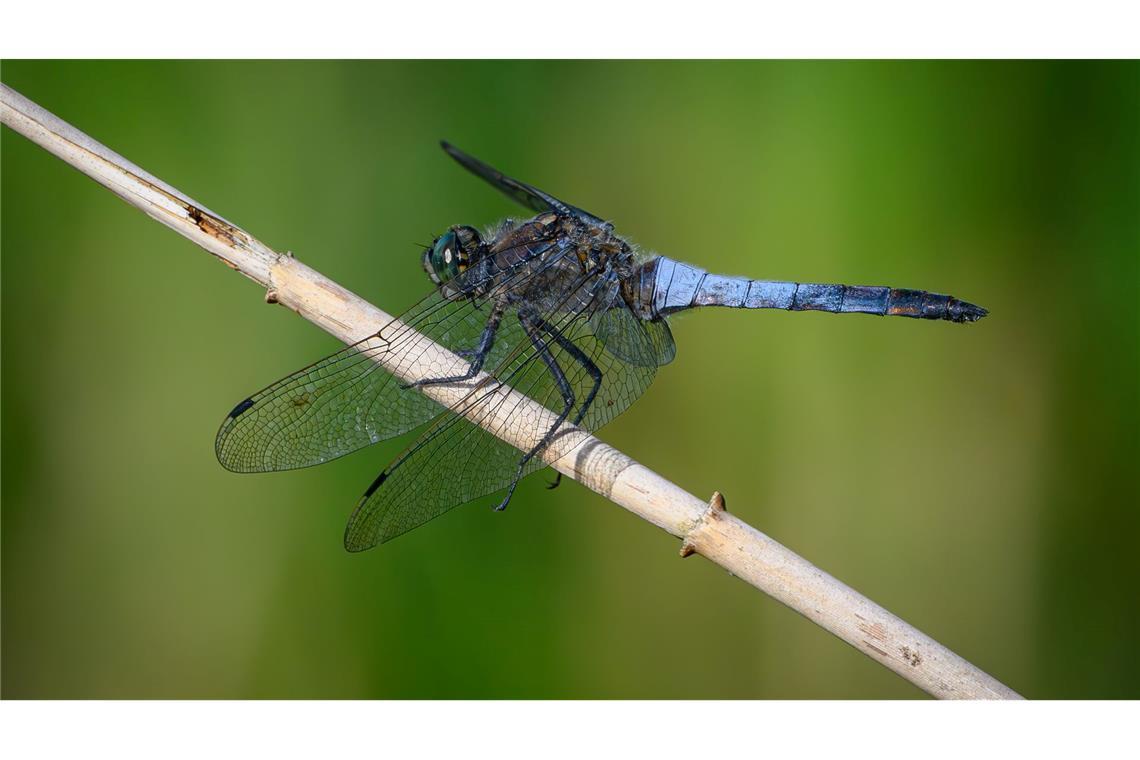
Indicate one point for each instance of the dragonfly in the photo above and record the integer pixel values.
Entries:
(557, 307)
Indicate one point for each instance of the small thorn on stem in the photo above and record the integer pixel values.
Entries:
(716, 508)
(716, 505)
(271, 296)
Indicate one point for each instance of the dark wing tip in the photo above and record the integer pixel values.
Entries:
(353, 541)
(375, 484)
(242, 407)
(220, 450)
(225, 458)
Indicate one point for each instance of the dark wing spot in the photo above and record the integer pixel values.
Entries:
(375, 484)
(241, 407)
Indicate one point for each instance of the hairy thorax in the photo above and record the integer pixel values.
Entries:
(561, 256)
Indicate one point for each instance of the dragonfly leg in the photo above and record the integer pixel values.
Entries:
(476, 356)
(579, 356)
(530, 324)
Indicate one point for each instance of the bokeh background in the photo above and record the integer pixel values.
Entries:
(979, 481)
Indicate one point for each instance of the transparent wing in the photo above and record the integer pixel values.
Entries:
(455, 461)
(347, 401)
(646, 344)
(520, 192)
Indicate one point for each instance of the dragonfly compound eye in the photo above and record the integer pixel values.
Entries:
(441, 261)
(451, 253)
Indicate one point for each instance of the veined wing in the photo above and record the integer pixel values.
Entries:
(347, 400)
(455, 461)
(642, 343)
(520, 192)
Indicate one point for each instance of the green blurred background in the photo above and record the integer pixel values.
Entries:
(979, 481)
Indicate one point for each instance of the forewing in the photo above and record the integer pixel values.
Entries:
(455, 461)
(347, 401)
(520, 192)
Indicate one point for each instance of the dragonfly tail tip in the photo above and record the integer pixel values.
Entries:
(964, 311)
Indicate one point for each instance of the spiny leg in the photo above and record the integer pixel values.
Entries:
(529, 324)
(477, 356)
(579, 356)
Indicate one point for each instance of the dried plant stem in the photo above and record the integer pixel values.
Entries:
(705, 528)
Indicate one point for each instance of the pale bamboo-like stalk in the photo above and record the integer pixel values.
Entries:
(704, 527)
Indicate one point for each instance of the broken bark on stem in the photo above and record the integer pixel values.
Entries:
(706, 529)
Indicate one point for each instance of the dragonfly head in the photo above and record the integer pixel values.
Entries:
(451, 253)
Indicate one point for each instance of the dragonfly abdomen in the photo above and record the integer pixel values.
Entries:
(668, 286)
